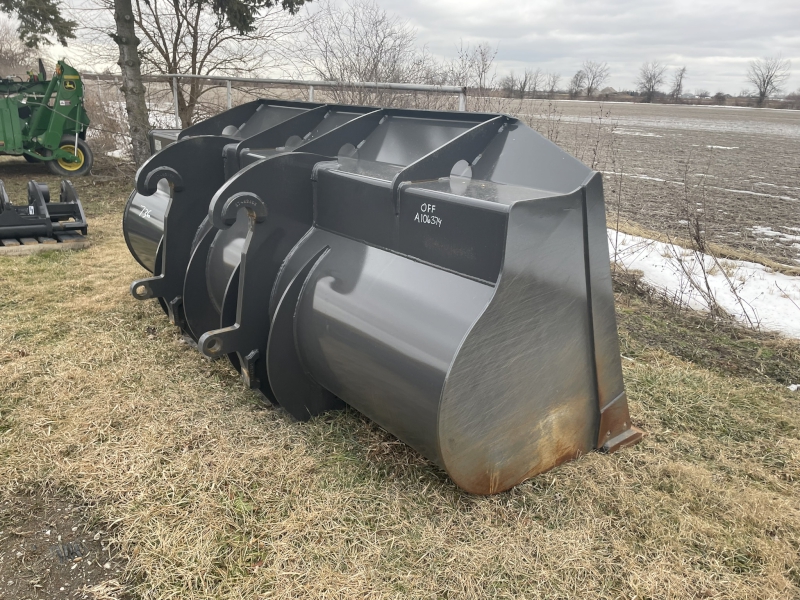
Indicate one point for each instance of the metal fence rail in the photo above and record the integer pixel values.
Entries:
(300, 83)
(369, 85)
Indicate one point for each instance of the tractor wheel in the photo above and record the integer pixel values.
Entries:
(67, 169)
(31, 159)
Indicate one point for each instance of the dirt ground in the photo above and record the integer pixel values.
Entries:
(738, 167)
(49, 549)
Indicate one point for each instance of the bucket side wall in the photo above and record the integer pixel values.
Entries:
(520, 397)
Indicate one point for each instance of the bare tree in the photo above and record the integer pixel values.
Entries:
(473, 67)
(768, 75)
(358, 41)
(509, 85)
(677, 84)
(535, 80)
(15, 56)
(530, 82)
(794, 99)
(551, 83)
(596, 74)
(480, 70)
(700, 93)
(651, 77)
(524, 82)
(188, 38)
(194, 37)
(576, 84)
(168, 36)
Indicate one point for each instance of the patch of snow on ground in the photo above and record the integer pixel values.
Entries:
(632, 176)
(635, 132)
(119, 153)
(772, 299)
(758, 230)
(723, 147)
(785, 187)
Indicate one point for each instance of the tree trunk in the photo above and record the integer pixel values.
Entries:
(132, 87)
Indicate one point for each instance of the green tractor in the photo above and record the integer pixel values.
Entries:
(45, 121)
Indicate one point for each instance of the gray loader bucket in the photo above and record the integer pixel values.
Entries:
(143, 218)
(186, 174)
(446, 274)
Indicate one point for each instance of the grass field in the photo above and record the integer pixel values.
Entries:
(197, 490)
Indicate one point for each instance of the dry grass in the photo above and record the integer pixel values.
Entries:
(210, 495)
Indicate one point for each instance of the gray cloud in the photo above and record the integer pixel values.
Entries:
(715, 39)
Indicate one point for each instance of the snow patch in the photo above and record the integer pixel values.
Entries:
(632, 176)
(635, 132)
(749, 193)
(785, 187)
(758, 230)
(723, 147)
(769, 298)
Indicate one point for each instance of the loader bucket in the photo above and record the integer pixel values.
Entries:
(214, 281)
(177, 183)
(143, 219)
(446, 274)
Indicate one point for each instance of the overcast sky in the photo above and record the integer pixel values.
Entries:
(715, 39)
